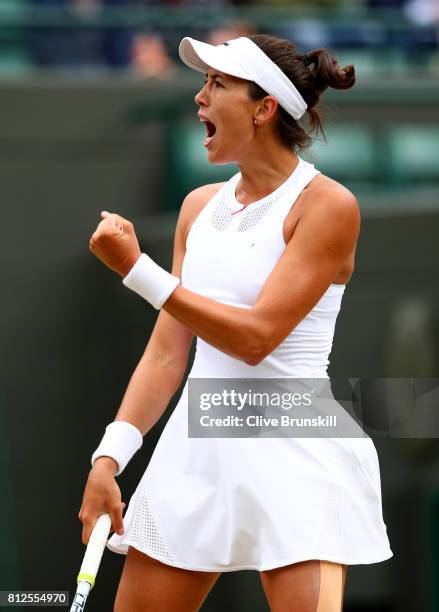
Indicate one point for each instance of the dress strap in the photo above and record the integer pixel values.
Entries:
(306, 173)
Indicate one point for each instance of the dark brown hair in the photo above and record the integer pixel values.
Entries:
(311, 73)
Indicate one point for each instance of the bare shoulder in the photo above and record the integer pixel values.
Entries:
(193, 204)
(328, 202)
(326, 197)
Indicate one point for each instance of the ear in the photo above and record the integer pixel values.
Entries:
(265, 110)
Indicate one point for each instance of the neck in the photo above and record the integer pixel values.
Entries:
(263, 173)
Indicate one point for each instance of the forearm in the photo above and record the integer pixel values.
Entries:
(239, 332)
(233, 330)
(149, 392)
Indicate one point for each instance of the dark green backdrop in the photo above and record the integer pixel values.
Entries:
(71, 334)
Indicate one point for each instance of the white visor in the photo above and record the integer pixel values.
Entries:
(242, 58)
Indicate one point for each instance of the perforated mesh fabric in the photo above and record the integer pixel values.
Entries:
(253, 215)
(221, 216)
(224, 212)
(145, 533)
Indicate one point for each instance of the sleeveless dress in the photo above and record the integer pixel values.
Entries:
(226, 504)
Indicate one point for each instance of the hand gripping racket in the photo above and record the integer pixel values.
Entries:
(91, 561)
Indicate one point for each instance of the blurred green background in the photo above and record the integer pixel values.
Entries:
(97, 113)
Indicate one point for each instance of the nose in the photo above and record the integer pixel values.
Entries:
(200, 98)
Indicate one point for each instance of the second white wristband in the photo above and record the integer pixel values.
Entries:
(150, 281)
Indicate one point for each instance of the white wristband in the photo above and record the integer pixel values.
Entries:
(151, 281)
(121, 440)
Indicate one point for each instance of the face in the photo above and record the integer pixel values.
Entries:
(227, 112)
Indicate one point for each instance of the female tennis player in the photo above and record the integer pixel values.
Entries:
(259, 270)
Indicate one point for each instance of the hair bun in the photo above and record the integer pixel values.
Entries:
(328, 72)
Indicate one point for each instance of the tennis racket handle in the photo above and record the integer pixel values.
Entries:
(95, 549)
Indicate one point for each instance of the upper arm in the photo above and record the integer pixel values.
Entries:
(324, 237)
(170, 340)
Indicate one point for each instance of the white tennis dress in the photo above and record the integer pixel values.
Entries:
(225, 504)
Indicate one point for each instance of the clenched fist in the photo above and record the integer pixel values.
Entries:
(115, 243)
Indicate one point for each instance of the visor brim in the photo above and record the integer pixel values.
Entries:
(202, 56)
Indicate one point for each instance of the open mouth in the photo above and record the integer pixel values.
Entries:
(211, 130)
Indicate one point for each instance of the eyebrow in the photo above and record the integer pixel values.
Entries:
(215, 75)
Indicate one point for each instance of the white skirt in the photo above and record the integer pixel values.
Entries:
(227, 504)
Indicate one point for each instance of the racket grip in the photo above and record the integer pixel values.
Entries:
(95, 549)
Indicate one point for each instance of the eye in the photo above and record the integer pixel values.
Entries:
(215, 83)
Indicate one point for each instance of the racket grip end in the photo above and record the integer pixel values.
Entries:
(86, 578)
